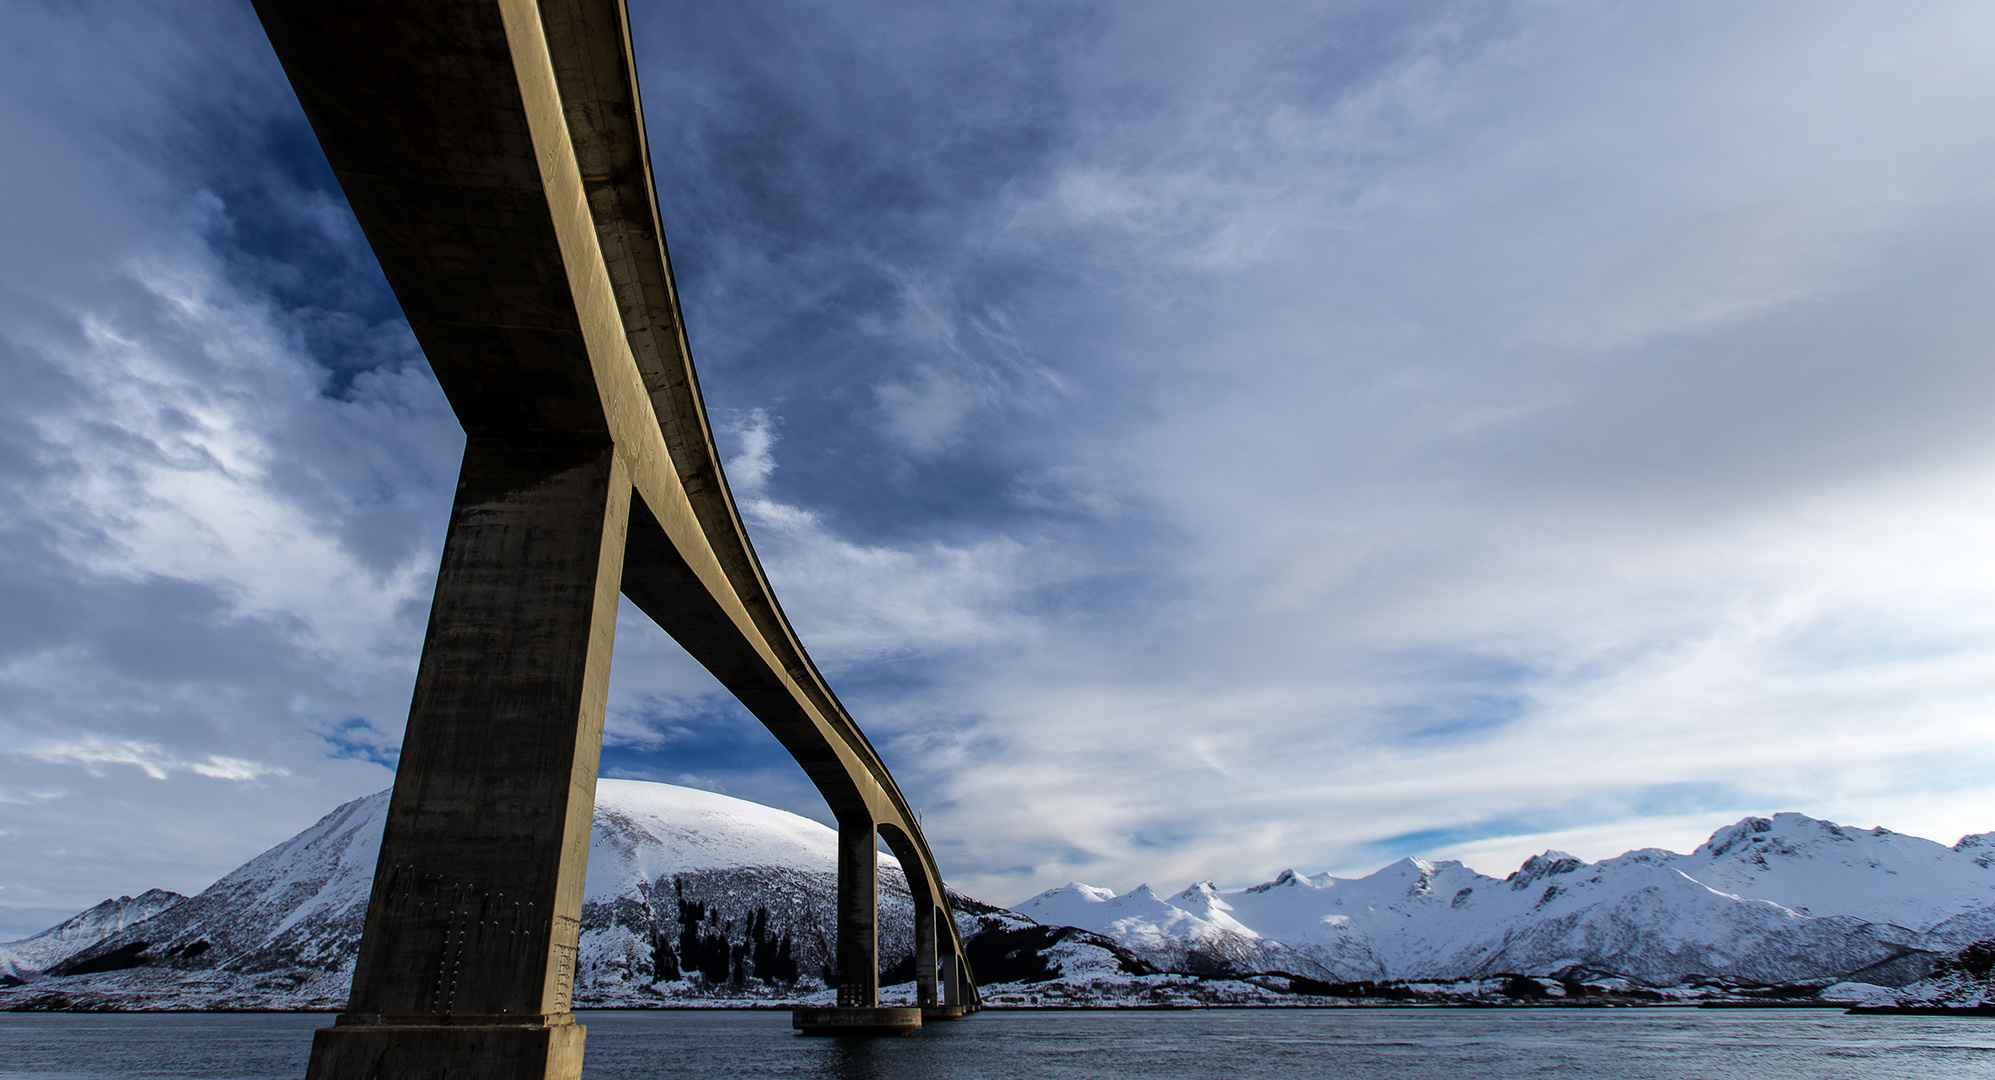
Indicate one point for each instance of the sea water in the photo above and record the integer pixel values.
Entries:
(1330, 1044)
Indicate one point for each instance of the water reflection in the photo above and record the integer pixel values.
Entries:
(855, 1058)
(1303, 1044)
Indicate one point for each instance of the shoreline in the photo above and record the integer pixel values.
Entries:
(1845, 1008)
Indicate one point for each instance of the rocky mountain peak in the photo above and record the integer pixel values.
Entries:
(1539, 867)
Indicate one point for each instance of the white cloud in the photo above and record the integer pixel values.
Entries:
(927, 410)
(94, 751)
(974, 362)
(858, 603)
(749, 467)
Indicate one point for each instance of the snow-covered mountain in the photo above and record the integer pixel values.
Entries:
(79, 932)
(689, 894)
(1781, 899)
(736, 896)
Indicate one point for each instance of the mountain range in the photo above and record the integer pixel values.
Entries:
(695, 898)
(1768, 900)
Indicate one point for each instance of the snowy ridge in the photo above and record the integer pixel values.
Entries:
(79, 932)
(1781, 899)
(644, 831)
(295, 908)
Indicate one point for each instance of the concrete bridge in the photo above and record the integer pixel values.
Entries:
(494, 153)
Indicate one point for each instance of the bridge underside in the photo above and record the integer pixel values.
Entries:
(493, 152)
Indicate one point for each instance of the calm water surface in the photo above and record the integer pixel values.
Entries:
(1335, 1044)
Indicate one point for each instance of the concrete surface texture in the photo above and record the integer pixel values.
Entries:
(493, 152)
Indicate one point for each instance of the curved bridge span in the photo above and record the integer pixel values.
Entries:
(494, 153)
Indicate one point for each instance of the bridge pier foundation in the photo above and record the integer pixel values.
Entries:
(486, 1051)
(878, 1020)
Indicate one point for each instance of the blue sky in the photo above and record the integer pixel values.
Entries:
(1194, 441)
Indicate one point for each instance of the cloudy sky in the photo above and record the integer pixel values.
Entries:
(1196, 440)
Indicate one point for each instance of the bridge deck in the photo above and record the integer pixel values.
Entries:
(494, 154)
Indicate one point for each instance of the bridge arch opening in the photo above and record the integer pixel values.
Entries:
(923, 901)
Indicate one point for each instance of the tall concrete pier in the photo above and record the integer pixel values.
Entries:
(494, 153)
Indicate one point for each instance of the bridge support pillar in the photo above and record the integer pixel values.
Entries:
(858, 916)
(468, 955)
(925, 927)
(859, 1011)
(952, 983)
(941, 999)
